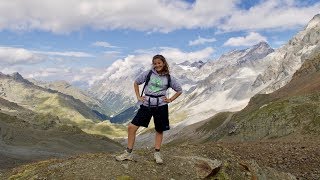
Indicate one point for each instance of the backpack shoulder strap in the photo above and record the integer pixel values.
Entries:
(169, 81)
(147, 81)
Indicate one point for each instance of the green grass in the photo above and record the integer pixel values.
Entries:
(281, 117)
(214, 122)
(7, 118)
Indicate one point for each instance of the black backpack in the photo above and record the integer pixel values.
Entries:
(148, 79)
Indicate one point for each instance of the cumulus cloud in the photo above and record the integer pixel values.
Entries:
(251, 39)
(271, 14)
(13, 56)
(201, 40)
(62, 16)
(121, 68)
(178, 56)
(103, 44)
(143, 58)
(82, 77)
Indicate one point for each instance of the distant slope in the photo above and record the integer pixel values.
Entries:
(125, 116)
(48, 138)
(66, 88)
(19, 90)
(45, 101)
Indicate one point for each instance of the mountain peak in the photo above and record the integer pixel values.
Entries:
(314, 21)
(197, 64)
(185, 63)
(262, 44)
(18, 77)
(258, 51)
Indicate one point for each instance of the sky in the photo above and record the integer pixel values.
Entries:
(77, 40)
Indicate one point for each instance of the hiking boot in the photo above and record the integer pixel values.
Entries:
(124, 156)
(158, 158)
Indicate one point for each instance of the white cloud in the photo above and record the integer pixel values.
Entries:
(65, 53)
(103, 44)
(178, 56)
(85, 77)
(201, 40)
(47, 72)
(142, 58)
(62, 16)
(251, 39)
(81, 77)
(271, 14)
(13, 56)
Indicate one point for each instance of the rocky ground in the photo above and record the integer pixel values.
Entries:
(300, 156)
(281, 159)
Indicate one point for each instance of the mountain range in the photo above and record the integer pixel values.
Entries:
(224, 84)
(256, 109)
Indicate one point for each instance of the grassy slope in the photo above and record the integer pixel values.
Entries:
(293, 109)
(68, 109)
(45, 139)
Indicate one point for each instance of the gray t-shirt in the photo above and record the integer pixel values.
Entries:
(157, 85)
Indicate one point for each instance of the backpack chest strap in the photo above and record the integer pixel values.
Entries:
(153, 96)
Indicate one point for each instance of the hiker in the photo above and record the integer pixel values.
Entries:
(153, 103)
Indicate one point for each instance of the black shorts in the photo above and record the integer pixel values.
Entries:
(160, 116)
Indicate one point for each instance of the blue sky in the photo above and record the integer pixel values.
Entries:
(77, 40)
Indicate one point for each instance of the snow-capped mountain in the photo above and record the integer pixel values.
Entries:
(187, 64)
(236, 76)
(116, 89)
(280, 65)
(225, 84)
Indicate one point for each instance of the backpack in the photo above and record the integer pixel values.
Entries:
(148, 79)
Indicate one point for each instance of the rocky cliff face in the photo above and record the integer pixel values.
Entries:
(292, 110)
(227, 86)
(281, 64)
